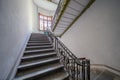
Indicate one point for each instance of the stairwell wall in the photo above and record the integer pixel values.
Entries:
(16, 22)
(35, 19)
(96, 34)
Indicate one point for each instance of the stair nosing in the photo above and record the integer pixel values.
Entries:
(38, 46)
(29, 51)
(39, 72)
(40, 62)
(40, 55)
(37, 43)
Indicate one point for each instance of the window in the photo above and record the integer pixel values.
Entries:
(45, 22)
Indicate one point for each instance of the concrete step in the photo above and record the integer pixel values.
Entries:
(38, 56)
(39, 51)
(34, 60)
(58, 75)
(38, 63)
(38, 44)
(39, 71)
(38, 41)
(38, 47)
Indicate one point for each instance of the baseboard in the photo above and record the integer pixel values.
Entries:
(14, 69)
(106, 67)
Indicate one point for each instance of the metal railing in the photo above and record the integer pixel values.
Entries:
(77, 68)
(57, 12)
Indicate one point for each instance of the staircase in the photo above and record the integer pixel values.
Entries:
(67, 13)
(40, 61)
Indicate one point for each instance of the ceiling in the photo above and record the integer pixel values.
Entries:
(47, 6)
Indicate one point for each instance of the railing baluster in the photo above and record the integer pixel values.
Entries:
(55, 43)
(88, 69)
(74, 69)
(77, 68)
(83, 70)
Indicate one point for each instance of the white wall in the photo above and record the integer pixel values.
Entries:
(35, 18)
(96, 35)
(16, 21)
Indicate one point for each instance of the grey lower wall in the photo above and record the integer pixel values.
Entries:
(16, 22)
(96, 35)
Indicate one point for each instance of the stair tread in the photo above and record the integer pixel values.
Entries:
(37, 43)
(39, 46)
(49, 52)
(38, 71)
(38, 55)
(29, 51)
(56, 76)
(38, 62)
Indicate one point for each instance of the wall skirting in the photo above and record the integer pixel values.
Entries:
(14, 69)
(106, 67)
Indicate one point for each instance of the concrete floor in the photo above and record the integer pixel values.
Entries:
(103, 75)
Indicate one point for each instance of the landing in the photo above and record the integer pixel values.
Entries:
(99, 74)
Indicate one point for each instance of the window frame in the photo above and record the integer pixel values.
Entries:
(47, 19)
